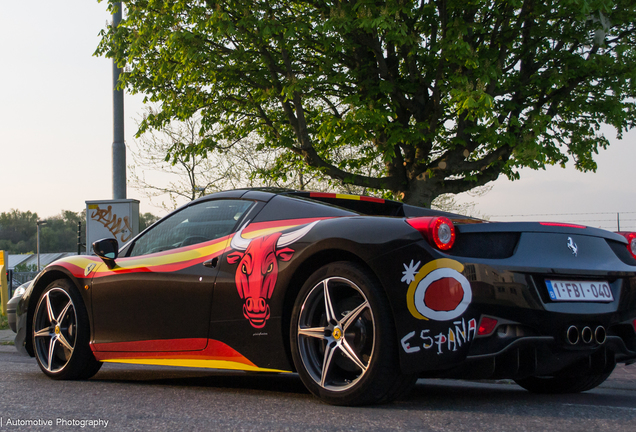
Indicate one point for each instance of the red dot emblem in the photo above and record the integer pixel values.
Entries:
(444, 295)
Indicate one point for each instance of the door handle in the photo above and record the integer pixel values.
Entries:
(211, 263)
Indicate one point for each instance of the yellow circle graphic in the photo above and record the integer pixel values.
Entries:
(424, 271)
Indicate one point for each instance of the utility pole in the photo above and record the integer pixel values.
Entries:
(39, 223)
(119, 146)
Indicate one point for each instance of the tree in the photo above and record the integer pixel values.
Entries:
(196, 171)
(18, 231)
(191, 174)
(416, 98)
(25, 268)
(146, 219)
(60, 232)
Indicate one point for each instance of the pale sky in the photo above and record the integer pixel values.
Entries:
(56, 131)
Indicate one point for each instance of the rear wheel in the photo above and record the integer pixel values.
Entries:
(564, 383)
(343, 340)
(61, 333)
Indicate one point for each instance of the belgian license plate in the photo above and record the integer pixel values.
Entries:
(564, 290)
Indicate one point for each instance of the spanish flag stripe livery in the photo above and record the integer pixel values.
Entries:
(179, 352)
(216, 355)
(175, 259)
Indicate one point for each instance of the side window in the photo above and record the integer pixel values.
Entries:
(198, 223)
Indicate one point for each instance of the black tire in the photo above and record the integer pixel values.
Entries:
(346, 354)
(563, 384)
(61, 334)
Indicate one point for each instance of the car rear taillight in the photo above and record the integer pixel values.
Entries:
(486, 326)
(631, 243)
(438, 230)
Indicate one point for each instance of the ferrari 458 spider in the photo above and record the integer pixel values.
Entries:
(358, 295)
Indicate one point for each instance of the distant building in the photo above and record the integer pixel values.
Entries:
(32, 259)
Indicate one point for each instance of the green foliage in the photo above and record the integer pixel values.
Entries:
(415, 98)
(18, 232)
(60, 232)
(22, 267)
(4, 322)
(146, 219)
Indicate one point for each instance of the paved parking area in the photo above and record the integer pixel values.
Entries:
(623, 377)
(6, 341)
(6, 336)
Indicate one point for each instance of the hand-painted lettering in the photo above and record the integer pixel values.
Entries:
(446, 341)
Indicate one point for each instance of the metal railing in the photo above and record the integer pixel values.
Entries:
(15, 279)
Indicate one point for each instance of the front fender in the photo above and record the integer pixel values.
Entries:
(78, 269)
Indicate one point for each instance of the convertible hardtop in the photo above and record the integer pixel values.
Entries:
(361, 204)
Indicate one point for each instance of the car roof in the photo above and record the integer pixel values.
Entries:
(362, 204)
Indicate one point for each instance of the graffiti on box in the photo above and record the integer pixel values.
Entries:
(116, 225)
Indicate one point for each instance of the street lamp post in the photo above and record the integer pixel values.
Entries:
(119, 145)
(40, 222)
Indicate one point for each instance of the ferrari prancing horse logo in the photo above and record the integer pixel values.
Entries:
(573, 247)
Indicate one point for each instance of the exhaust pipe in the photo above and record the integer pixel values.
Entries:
(600, 335)
(586, 335)
(572, 335)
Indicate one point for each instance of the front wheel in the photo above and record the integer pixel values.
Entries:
(343, 339)
(61, 334)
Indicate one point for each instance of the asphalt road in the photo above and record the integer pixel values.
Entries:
(138, 398)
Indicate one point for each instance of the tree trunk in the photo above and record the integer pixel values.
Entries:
(419, 193)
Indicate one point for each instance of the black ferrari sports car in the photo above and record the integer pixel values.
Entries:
(358, 295)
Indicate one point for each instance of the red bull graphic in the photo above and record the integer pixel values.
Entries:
(257, 270)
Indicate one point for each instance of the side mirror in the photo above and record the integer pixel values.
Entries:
(107, 249)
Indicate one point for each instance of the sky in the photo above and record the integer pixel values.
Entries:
(56, 131)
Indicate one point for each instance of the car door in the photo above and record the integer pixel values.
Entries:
(158, 297)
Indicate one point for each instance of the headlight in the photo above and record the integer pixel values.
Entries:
(19, 292)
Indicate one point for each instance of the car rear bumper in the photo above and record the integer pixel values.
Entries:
(536, 356)
(545, 346)
(530, 336)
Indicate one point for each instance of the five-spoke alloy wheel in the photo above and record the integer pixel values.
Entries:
(55, 329)
(60, 334)
(336, 332)
(343, 341)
